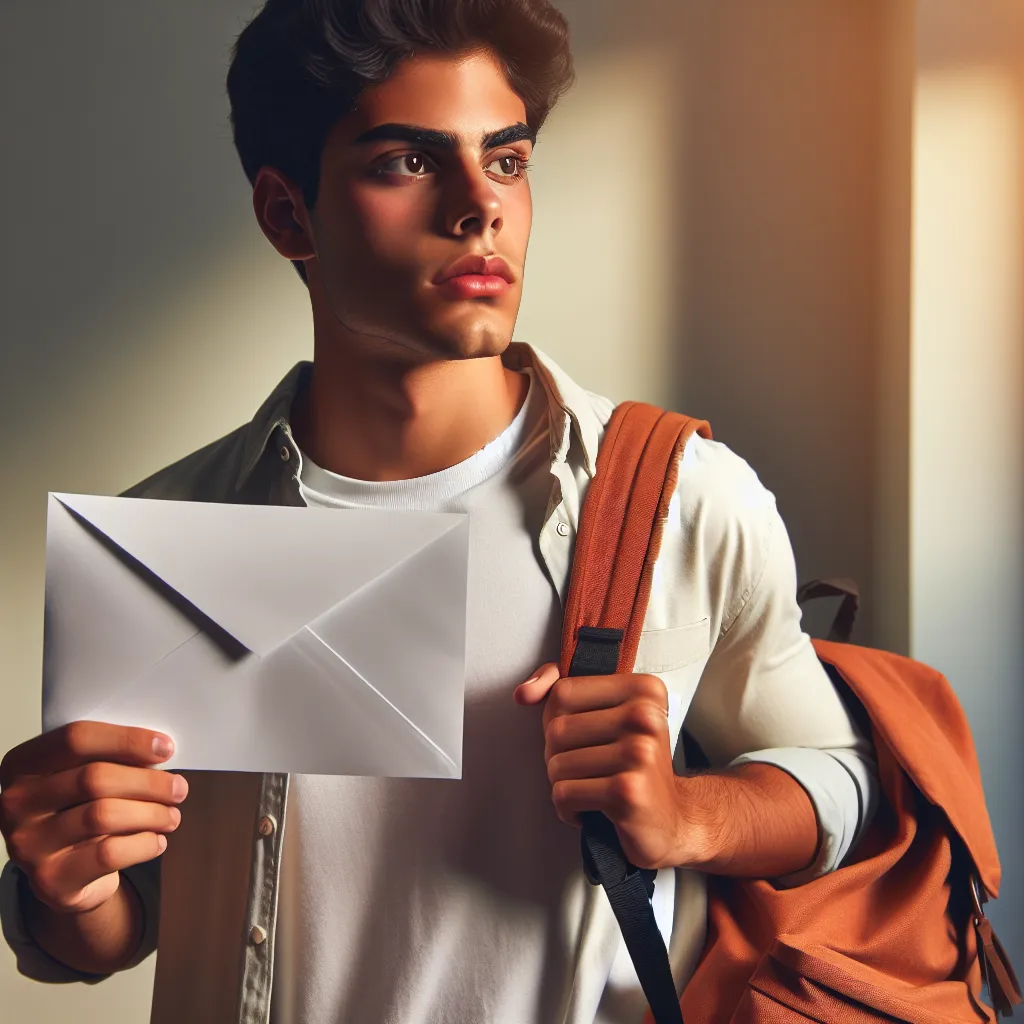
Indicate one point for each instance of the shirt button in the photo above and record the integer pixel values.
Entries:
(563, 529)
(267, 825)
(257, 935)
(285, 453)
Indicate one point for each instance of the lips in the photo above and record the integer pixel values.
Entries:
(477, 266)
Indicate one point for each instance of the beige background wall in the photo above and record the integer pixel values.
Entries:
(967, 395)
(739, 177)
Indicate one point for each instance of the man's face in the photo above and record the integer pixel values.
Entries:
(426, 172)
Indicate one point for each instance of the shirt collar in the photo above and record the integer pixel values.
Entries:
(274, 413)
(572, 412)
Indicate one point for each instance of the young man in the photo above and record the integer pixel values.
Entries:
(387, 142)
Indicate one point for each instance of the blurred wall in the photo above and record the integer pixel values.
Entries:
(737, 178)
(967, 395)
(762, 197)
(142, 313)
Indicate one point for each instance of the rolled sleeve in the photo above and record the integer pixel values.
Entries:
(765, 697)
(35, 963)
(842, 787)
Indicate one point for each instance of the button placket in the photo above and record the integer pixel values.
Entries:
(259, 958)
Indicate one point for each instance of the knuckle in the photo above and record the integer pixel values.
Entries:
(556, 731)
(18, 846)
(637, 716)
(46, 881)
(76, 737)
(646, 718)
(654, 687)
(98, 817)
(80, 737)
(560, 795)
(640, 750)
(106, 855)
(93, 780)
(623, 792)
(160, 786)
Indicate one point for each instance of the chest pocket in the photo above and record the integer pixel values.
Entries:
(664, 650)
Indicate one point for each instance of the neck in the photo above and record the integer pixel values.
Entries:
(373, 419)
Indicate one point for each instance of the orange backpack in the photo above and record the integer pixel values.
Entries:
(898, 932)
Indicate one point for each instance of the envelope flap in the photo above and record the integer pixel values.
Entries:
(261, 572)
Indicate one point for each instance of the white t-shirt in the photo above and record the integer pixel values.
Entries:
(419, 901)
(431, 900)
(439, 902)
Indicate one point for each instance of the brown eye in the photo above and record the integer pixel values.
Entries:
(508, 166)
(410, 165)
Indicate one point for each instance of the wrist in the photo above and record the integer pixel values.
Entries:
(699, 829)
(753, 821)
(98, 941)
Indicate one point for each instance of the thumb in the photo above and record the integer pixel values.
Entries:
(535, 689)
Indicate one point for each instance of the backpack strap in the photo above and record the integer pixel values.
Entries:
(619, 537)
(996, 969)
(847, 589)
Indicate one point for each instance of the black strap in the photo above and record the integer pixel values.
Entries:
(629, 888)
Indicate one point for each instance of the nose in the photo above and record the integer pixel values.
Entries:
(474, 206)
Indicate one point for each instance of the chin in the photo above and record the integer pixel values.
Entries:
(476, 341)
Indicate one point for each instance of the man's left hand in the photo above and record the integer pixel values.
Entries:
(608, 748)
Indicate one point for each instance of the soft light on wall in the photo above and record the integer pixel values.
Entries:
(967, 428)
(603, 264)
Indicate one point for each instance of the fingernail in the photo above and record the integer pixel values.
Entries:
(532, 679)
(163, 747)
(161, 843)
(179, 788)
(175, 817)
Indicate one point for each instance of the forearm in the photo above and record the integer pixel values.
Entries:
(753, 821)
(99, 941)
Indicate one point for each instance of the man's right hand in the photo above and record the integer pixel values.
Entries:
(80, 803)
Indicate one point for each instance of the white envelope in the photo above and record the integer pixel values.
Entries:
(261, 638)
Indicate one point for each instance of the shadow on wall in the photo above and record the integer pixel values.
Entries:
(727, 241)
(764, 176)
(711, 215)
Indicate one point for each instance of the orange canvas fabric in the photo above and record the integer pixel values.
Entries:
(893, 934)
(890, 934)
(617, 543)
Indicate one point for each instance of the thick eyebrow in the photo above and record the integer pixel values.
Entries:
(417, 136)
(517, 132)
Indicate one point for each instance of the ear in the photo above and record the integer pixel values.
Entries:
(282, 215)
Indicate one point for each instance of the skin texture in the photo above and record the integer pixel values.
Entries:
(407, 381)
(77, 805)
(607, 748)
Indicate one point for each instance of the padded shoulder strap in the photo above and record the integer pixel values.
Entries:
(620, 529)
(620, 533)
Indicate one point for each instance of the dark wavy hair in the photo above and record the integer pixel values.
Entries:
(301, 65)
